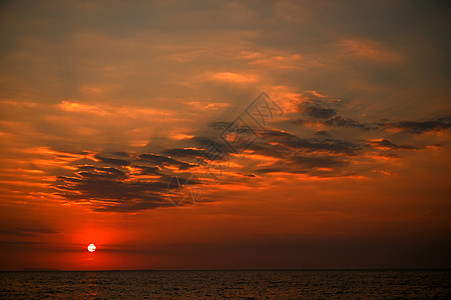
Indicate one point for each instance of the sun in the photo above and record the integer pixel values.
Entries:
(92, 248)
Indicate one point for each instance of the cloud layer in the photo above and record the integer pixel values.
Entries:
(234, 152)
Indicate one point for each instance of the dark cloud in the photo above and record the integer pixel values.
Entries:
(334, 122)
(323, 145)
(116, 189)
(26, 231)
(160, 160)
(145, 170)
(327, 145)
(185, 152)
(214, 150)
(386, 144)
(249, 175)
(113, 161)
(112, 190)
(317, 157)
(133, 182)
(321, 114)
(313, 165)
(344, 122)
(317, 162)
(72, 153)
(106, 173)
(322, 133)
(318, 112)
(320, 166)
(120, 153)
(136, 205)
(435, 124)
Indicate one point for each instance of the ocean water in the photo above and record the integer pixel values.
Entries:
(270, 284)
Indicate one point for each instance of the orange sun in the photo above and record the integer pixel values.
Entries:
(92, 248)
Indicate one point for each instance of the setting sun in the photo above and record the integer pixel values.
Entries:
(91, 248)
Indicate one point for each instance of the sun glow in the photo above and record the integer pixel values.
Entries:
(91, 248)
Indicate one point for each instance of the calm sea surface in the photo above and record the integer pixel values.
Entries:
(305, 284)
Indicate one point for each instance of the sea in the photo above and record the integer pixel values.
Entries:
(256, 284)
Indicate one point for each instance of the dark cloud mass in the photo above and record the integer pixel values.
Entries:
(344, 122)
(320, 166)
(107, 192)
(126, 182)
(110, 188)
(164, 160)
(144, 170)
(310, 145)
(327, 116)
(323, 115)
(318, 112)
(181, 152)
(435, 124)
(386, 144)
(113, 161)
(27, 231)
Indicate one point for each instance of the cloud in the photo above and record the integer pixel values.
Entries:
(318, 113)
(281, 151)
(79, 107)
(27, 231)
(127, 182)
(435, 124)
(234, 77)
(107, 173)
(145, 170)
(130, 183)
(367, 49)
(273, 59)
(110, 189)
(384, 144)
(204, 105)
(185, 152)
(166, 161)
(113, 161)
(344, 122)
(300, 164)
(318, 166)
(105, 109)
(293, 142)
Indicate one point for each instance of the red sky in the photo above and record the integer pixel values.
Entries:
(343, 163)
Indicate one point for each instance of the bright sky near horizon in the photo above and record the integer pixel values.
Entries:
(106, 106)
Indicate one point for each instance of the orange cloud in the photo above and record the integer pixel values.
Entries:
(204, 105)
(273, 59)
(79, 107)
(110, 110)
(181, 136)
(234, 77)
(368, 49)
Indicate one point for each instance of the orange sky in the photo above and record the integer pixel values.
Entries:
(343, 163)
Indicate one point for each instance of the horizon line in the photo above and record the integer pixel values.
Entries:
(250, 269)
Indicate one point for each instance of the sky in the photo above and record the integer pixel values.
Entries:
(225, 134)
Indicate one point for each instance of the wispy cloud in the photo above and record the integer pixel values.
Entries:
(78, 107)
(368, 49)
(234, 77)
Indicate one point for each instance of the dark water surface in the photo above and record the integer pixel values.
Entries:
(295, 284)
